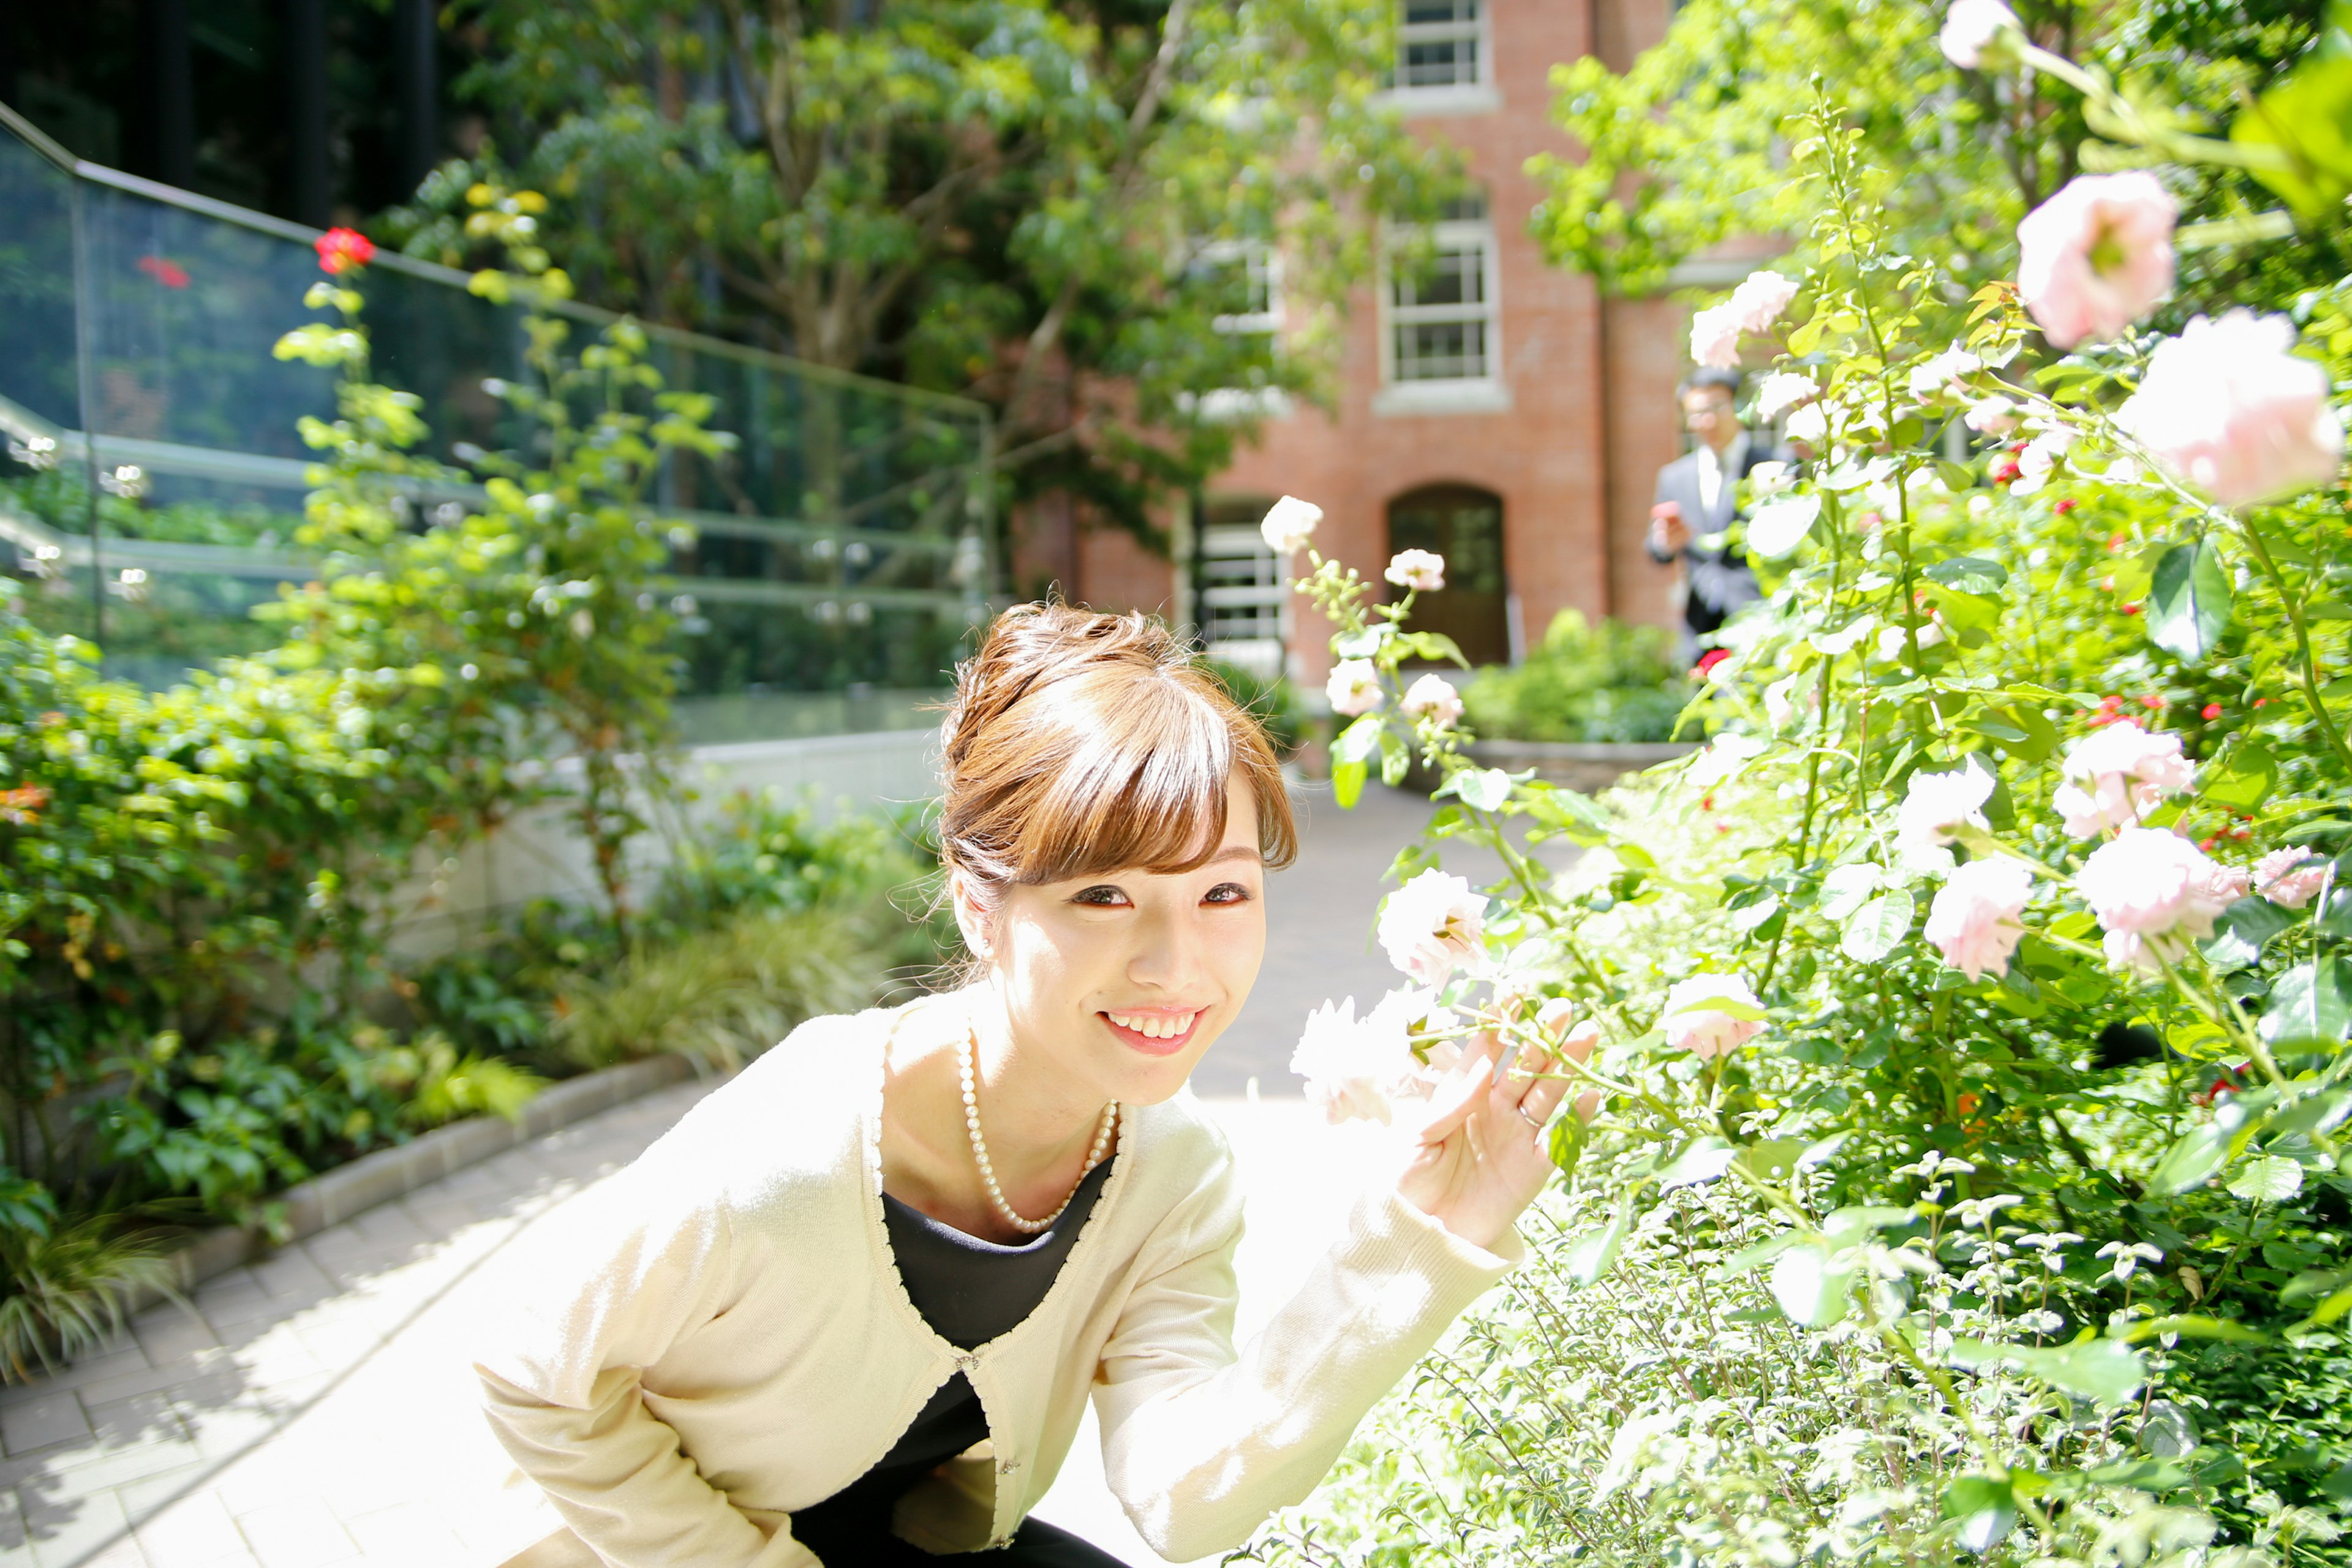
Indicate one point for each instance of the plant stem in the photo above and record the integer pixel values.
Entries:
(2295, 617)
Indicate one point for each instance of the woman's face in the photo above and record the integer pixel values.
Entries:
(1122, 981)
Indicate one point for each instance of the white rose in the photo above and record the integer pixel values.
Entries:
(1289, 525)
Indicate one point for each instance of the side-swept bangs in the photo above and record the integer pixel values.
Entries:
(1081, 745)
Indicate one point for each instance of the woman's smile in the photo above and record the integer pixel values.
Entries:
(1154, 1031)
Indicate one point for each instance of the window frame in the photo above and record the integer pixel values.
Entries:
(1475, 96)
(1448, 235)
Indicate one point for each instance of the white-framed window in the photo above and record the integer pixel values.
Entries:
(1246, 277)
(1441, 44)
(1243, 605)
(1440, 312)
(1444, 59)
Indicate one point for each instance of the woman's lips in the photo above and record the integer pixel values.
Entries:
(1154, 1046)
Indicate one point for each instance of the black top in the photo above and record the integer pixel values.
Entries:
(969, 1291)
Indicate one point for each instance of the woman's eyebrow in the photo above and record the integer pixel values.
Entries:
(1232, 852)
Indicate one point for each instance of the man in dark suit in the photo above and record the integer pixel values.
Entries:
(1698, 503)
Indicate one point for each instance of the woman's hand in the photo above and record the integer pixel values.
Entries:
(1480, 1158)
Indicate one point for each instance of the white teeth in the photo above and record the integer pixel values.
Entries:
(1154, 1027)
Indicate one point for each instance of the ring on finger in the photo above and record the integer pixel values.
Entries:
(1531, 1121)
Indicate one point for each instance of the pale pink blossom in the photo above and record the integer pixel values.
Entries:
(1780, 702)
(2229, 883)
(1758, 300)
(1417, 1012)
(1715, 338)
(2154, 892)
(1974, 921)
(1781, 391)
(2039, 461)
(1349, 1062)
(1423, 571)
(1289, 523)
(1808, 426)
(2117, 776)
(1354, 687)
(1433, 699)
(1980, 34)
(1893, 639)
(2228, 407)
(1771, 478)
(2290, 878)
(1935, 807)
(1991, 415)
(1944, 375)
(2098, 255)
(1433, 925)
(1692, 1024)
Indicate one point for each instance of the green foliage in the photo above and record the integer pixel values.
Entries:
(1689, 146)
(1046, 205)
(68, 1289)
(2078, 1201)
(1613, 681)
(726, 995)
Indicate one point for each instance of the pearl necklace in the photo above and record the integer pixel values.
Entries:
(966, 1052)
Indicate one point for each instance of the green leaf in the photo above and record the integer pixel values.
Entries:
(2105, 1372)
(2191, 1160)
(2267, 1178)
(1845, 887)
(1590, 1253)
(1848, 1225)
(1879, 927)
(2243, 929)
(1705, 1160)
(1359, 740)
(2146, 1475)
(2188, 600)
(1434, 646)
(2243, 778)
(2309, 1005)
(1773, 1160)
(1488, 789)
(1780, 525)
(2195, 1326)
(1809, 1287)
(1396, 758)
(1969, 574)
(1985, 1508)
(1348, 784)
(2307, 117)
(1764, 1251)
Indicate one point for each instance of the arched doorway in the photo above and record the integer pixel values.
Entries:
(1464, 524)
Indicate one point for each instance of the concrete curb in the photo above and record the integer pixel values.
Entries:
(388, 1173)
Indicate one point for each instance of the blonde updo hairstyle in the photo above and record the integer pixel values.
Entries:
(1080, 744)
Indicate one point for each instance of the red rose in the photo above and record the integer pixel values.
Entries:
(341, 249)
(2211, 711)
(1708, 660)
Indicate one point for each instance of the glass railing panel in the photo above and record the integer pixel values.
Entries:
(38, 368)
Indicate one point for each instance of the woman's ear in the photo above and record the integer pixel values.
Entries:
(971, 915)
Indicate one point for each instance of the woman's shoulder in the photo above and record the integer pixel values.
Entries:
(800, 1113)
(1183, 1165)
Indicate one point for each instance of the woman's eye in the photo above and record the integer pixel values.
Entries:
(1103, 897)
(1227, 893)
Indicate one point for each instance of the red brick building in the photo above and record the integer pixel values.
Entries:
(1493, 407)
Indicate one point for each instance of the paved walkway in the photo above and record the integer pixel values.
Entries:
(317, 1408)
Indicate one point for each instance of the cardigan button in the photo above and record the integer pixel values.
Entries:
(1006, 1466)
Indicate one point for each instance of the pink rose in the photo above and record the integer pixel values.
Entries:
(2117, 776)
(2290, 878)
(1693, 1025)
(2154, 892)
(1974, 920)
(2093, 258)
(1354, 687)
(1349, 1062)
(1758, 300)
(1432, 698)
(1935, 805)
(1715, 338)
(1781, 391)
(1993, 416)
(1944, 375)
(1433, 925)
(1420, 570)
(2228, 407)
(1979, 34)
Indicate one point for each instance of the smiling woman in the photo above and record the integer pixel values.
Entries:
(851, 1309)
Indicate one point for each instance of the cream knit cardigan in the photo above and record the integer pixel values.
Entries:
(718, 1335)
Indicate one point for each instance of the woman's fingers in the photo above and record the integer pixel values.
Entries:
(1541, 1098)
(1459, 1092)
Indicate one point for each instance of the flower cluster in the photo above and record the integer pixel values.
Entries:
(1753, 307)
(342, 250)
(2117, 776)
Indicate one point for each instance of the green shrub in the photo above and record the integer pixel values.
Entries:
(724, 996)
(1609, 682)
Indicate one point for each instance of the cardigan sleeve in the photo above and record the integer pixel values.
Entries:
(603, 1294)
(1200, 1442)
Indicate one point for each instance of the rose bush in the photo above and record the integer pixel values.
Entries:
(1965, 1176)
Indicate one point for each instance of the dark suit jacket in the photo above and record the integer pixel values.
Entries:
(1721, 580)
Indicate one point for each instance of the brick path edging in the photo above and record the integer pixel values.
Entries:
(394, 1173)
